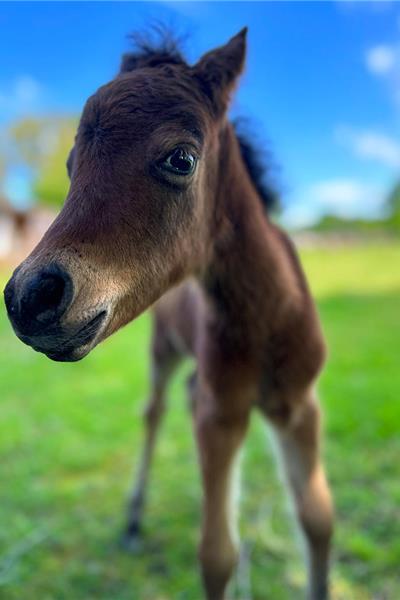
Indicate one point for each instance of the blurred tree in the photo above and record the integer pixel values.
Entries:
(51, 184)
(393, 205)
(26, 137)
(43, 144)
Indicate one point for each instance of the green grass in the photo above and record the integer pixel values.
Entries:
(70, 436)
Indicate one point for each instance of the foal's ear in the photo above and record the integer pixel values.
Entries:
(219, 69)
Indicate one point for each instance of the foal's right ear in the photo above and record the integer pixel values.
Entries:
(218, 70)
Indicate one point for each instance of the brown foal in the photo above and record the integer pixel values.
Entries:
(162, 208)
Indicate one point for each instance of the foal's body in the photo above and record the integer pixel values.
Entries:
(162, 207)
(256, 344)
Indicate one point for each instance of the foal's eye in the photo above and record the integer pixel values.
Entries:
(179, 162)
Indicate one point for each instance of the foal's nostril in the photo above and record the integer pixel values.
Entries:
(46, 296)
(43, 295)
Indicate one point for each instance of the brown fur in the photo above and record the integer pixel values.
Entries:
(229, 285)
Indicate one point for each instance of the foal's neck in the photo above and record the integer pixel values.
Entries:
(251, 275)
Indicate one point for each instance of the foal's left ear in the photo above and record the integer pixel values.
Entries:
(219, 69)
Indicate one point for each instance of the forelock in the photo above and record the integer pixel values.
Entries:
(156, 47)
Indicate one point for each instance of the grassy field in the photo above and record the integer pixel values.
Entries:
(70, 435)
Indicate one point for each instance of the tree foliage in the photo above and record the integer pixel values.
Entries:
(393, 203)
(43, 144)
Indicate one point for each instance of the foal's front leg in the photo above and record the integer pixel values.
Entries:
(219, 431)
(299, 443)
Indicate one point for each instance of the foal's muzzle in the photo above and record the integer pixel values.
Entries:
(39, 300)
(36, 304)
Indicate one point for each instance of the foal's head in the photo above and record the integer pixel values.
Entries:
(140, 211)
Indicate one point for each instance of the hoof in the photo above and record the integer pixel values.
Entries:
(131, 539)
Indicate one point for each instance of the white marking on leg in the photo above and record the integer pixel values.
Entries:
(233, 500)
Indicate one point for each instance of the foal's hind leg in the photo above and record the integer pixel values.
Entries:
(298, 436)
(165, 358)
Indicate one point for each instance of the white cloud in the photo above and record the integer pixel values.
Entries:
(376, 6)
(299, 214)
(381, 59)
(345, 198)
(20, 96)
(372, 145)
(348, 198)
(26, 89)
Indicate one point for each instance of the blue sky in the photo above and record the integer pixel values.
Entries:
(322, 84)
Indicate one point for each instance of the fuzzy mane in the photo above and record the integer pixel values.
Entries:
(260, 166)
(160, 47)
(157, 46)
